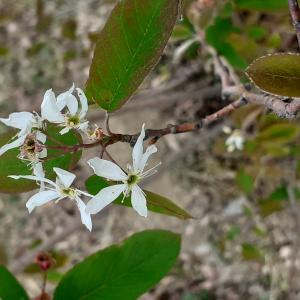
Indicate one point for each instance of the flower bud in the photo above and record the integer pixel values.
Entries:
(45, 261)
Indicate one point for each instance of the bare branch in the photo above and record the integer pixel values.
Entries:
(295, 14)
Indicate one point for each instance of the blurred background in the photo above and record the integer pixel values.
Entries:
(244, 241)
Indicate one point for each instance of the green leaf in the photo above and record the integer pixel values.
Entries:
(262, 5)
(251, 252)
(10, 288)
(245, 182)
(274, 203)
(155, 203)
(233, 232)
(10, 165)
(122, 272)
(277, 74)
(257, 32)
(279, 133)
(269, 206)
(127, 49)
(281, 193)
(182, 32)
(217, 36)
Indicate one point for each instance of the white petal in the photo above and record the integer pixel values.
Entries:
(107, 169)
(149, 151)
(69, 100)
(83, 102)
(15, 144)
(65, 177)
(19, 120)
(64, 130)
(40, 199)
(62, 99)
(137, 151)
(104, 197)
(72, 88)
(41, 137)
(85, 217)
(84, 126)
(32, 177)
(138, 201)
(49, 109)
(43, 153)
(85, 194)
(39, 172)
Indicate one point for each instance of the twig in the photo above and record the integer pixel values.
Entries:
(282, 109)
(295, 14)
(43, 289)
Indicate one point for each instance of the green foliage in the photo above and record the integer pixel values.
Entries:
(217, 36)
(251, 252)
(155, 203)
(245, 182)
(183, 31)
(256, 32)
(262, 5)
(10, 165)
(233, 232)
(10, 289)
(277, 74)
(127, 49)
(122, 272)
(69, 28)
(279, 133)
(274, 202)
(4, 51)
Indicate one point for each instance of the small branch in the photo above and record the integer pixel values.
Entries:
(282, 109)
(44, 283)
(295, 14)
(156, 134)
(75, 148)
(279, 107)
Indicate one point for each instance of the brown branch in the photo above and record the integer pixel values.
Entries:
(75, 148)
(156, 134)
(282, 109)
(295, 14)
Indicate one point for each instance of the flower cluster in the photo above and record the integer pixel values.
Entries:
(235, 141)
(69, 113)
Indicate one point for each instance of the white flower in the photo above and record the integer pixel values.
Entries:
(34, 151)
(57, 191)
(38, 171)
(65, 111)
(235, 141)
(111, 171)
(27, 123)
